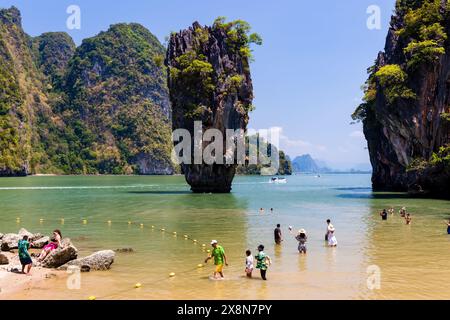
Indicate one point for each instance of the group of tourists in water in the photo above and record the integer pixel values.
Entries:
(263, 261)
(302, 238)
(403, 214)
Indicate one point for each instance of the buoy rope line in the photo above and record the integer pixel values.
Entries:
(85, 221)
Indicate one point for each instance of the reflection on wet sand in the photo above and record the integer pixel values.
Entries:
(413, 259)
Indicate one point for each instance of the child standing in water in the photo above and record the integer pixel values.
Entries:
(249, 263)
(408, 219)
(263, 261)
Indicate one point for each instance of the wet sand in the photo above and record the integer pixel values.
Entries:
(15, 285)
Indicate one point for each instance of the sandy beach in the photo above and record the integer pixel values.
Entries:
(14, 284)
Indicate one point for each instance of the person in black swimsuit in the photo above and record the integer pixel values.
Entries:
(384, 214)
(277, 234)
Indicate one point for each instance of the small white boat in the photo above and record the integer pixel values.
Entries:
(278, 180)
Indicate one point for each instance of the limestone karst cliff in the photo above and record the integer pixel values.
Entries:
(406, 106)
(100, 108)
(209, 81)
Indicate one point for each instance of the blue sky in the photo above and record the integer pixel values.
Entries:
(307, 75)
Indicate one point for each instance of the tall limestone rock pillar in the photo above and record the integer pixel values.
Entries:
(209, 81)
(406, 113)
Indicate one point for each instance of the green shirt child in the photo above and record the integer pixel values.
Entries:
(218, 253)
(261, 259)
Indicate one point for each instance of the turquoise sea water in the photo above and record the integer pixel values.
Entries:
(412, 259)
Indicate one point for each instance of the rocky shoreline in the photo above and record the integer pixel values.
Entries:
(54, 265)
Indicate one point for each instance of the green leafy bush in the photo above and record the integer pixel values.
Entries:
(393, 81)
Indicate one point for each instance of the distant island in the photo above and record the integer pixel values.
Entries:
(306, 164)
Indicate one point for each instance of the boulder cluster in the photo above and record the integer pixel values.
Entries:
(61, 258)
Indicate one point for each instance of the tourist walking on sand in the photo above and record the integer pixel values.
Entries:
(218, 253)
(263, 262)
(55, 242)
(277, 234)
(301, 238)
(24, 256)
(332, 241)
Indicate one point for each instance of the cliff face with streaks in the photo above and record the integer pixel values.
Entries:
(406, 106)
(209, 81)
(100, 108)
(25, 111)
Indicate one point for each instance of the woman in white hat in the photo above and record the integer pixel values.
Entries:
(301, 238)
(332, 242)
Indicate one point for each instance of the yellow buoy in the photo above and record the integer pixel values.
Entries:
(174, 233)
(142, 225)
(129, 222)
(137, 285)
(163, 230)
(17, 220)
(109, 222)
(200, 266)
(153, 227)
(185, 236)
(195, 241)
(84, 221)
(172, 274)
(92, 298)
(203, 245)
(41, 220)
(208, 251)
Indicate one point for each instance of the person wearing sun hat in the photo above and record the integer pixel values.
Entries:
(301, 238)
(218, 253)
(332, 242)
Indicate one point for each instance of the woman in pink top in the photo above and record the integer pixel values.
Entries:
(54, 243)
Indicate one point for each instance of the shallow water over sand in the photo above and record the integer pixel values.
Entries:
(413, 259)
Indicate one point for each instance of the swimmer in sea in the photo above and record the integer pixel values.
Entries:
(408, 219)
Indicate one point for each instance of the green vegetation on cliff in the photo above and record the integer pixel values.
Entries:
(52, 52)
(117, 104)
(193, 77)
(405, 106)
(99, 108)
(424, 36)
(264, 155)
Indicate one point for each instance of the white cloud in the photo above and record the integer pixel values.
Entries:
(357, 134)
(295, 147)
